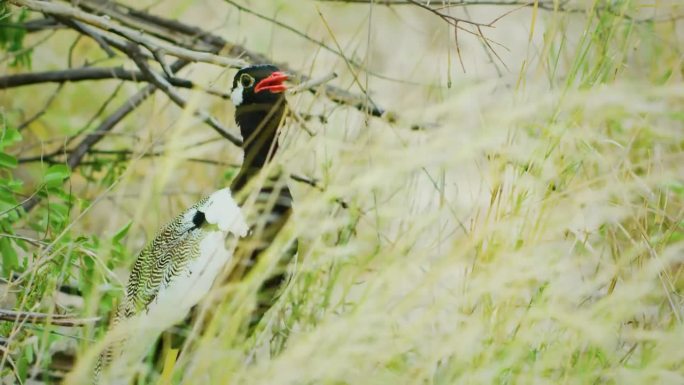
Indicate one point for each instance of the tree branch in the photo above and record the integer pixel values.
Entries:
(85, 30)
(43, 318)
(179, 33)
(76, 156)
(125, 154)
(546, 5)
(81, 74)
(60, 9)
(136, 55)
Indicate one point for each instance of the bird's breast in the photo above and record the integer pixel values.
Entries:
(191, 285)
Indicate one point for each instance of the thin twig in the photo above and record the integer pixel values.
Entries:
(60, 9)
(125, 154)
(301, 122)
(95, 116)
(76, 156)
(314, 183)
(84, 29)
(155, 25)
(549, 5)
(178, 33)
(165, 86)
(24, 50)
(44, 318)
(368, 102)
(13, 366)
(82, 74)
(43, 110)
(96, 73)
(33, 241)
(44, 24)
(312, 83)
(486, 42)
(448, 18)
(307, 37)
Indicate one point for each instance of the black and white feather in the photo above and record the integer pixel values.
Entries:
(173, 273)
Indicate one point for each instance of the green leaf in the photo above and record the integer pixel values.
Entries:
(28, 353)
(230, 173)
(58, 214)
(13, 184)
(121, 233)
(10, 262)
(9, 136)
(22, 368)
(7, 161)
(7, 200)
(676, 187)
(56, 174)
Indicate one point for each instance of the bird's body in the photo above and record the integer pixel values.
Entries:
(173, 273)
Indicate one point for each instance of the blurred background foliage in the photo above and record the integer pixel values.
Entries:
(511, 173)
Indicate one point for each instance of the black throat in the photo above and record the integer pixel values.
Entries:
(258, 124)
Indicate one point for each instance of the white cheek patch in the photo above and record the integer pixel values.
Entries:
(236, 95)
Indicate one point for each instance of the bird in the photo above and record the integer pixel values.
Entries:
(258, 94)
(158, 285)
(172, 274)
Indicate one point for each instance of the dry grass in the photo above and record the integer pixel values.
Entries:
(533, 234)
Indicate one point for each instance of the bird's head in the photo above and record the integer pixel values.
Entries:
(258, 84)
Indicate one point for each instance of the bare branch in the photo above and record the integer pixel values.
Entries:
(367, 102)
(314, 183)
(81, 74)
(96, 115)
(448, 18)
(109, 123)
(60, 9)
(301, 122)
(84, 29)
(43, 110)
(545, 5)
(312, 84)
(76, 156)
(38, 25)
(43, 318)
(125, 156)
(165, 86)
(179, 33)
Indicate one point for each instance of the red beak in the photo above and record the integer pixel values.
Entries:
(273, 83)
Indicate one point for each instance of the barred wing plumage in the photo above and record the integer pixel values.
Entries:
(173, 273)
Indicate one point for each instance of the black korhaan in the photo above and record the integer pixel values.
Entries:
(167, 270)
(260, 107)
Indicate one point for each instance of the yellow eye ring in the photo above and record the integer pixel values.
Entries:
(246, 80)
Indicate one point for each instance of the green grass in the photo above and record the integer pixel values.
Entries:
(534, 234)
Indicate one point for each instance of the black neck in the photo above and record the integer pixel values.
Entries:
(259, 127)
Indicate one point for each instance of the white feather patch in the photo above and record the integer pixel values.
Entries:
(236, 95)
(174, 301)
(222, 210)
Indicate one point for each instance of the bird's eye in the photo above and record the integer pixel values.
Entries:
(246, 81)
